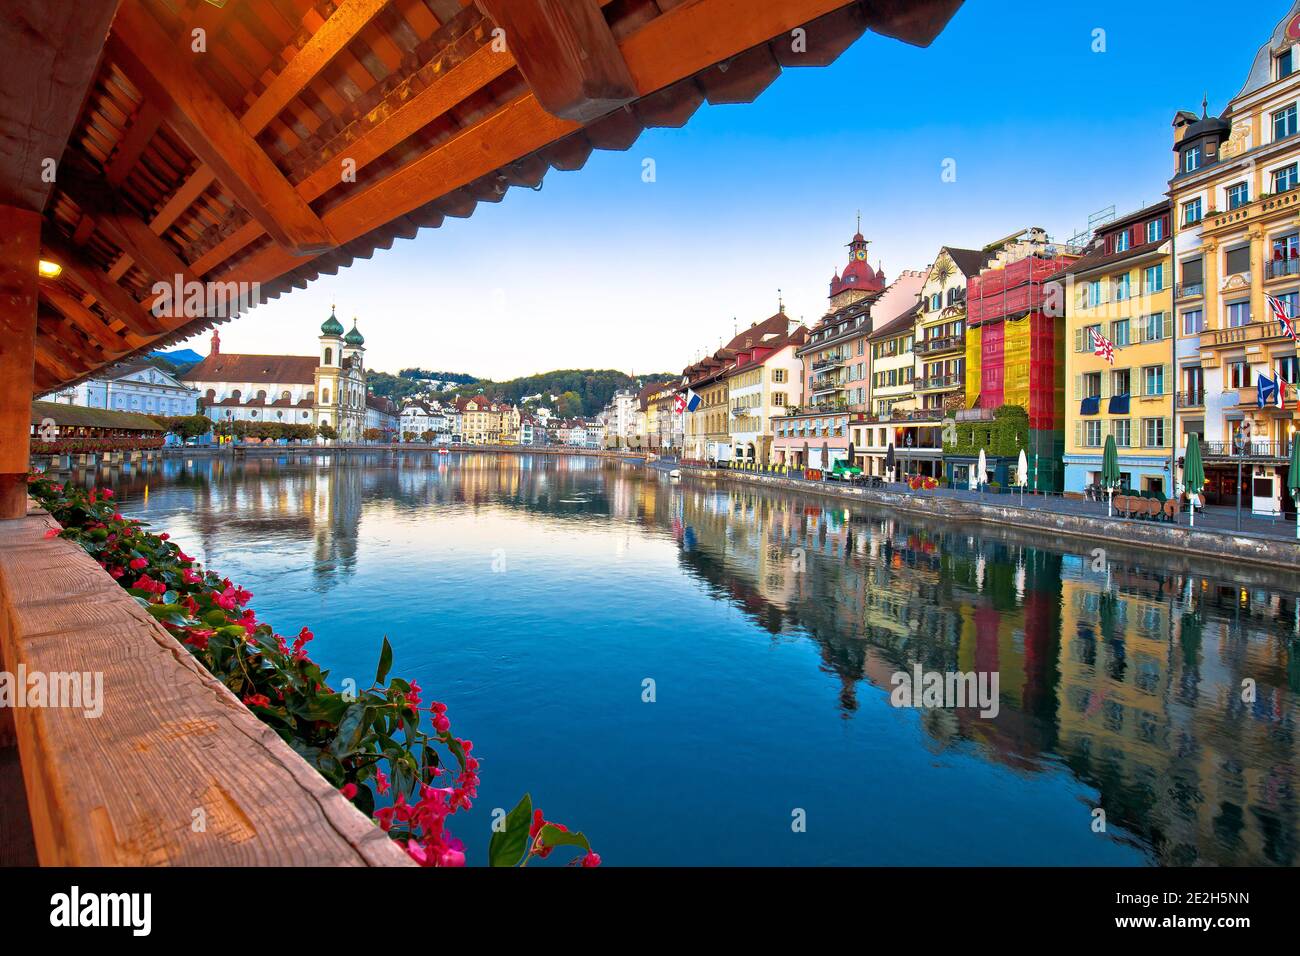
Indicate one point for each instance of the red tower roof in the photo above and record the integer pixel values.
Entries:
(858, 274)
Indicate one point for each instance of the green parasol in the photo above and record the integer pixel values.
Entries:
(1193, 472)
(1110, 471)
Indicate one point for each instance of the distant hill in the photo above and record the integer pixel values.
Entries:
(179, 357)
(576, 391)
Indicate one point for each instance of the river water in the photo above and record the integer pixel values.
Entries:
(701, 673)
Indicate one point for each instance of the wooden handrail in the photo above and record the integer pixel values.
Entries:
(175, 771)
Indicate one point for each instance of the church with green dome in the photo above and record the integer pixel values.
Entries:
(327, 389)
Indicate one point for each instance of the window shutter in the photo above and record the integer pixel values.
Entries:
(1169, 431)
(1166, 379)
(1105, 385)
(1078, 434)
(1078, 387)
(1078, 340)
(1167, 324)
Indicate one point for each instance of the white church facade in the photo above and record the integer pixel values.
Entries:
(326, 389)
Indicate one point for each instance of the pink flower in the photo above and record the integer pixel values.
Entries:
(190, 577)
(138, 564)
(348, 790)
(441, 723)
(591, 859)
(107, 492)
(381, 781)
(52, 533)
(259, 700)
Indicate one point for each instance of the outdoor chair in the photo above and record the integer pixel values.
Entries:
(1171, 508)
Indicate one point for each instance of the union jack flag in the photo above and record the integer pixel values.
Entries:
(1103, 346)
(1279, 310)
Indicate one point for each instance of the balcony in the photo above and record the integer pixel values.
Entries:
(1242, 334)
(1216, 221)
(1281, 268)
(1252, 450)
(1189, 290)
(1194, 399)
(946, 343)
(938, 382)
(831, 362)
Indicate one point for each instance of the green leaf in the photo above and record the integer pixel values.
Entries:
(348, 738)
(552, 835)
(508, 846)
(385, 662)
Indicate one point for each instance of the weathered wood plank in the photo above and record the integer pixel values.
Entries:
(172, 745)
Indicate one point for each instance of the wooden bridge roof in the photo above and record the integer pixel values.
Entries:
(209, 139)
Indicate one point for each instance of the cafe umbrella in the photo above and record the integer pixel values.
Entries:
(889, 461)
(1194, 473)
(982, 469)
(1110, 472)
(1022, 474)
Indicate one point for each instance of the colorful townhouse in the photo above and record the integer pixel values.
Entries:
(1118, 361)
(762, 385)
(940, 343)
(1236, 241)
(895, 424)
(827, 425)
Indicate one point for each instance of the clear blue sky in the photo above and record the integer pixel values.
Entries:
(600, 269)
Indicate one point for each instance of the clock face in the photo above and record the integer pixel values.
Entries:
(860, 255)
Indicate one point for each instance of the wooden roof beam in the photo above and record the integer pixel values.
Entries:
(113, 344)
(159, 67)
(567, 53)
(115, 300)
(51, 52)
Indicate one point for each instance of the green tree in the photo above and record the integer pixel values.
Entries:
(327, 432)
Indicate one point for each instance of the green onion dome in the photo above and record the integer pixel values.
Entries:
(332, 325)
(354, 337)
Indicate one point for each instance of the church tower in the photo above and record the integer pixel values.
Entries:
(327, 372)
(858, 280)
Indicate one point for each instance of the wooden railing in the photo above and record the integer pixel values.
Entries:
(175, 770)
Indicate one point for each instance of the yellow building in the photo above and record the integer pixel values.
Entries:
(1237, 238)
(1120, 290)
(707, 437)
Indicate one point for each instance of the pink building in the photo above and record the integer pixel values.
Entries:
(837, 364)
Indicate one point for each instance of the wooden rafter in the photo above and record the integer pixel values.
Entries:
(159, 66)
(113, 344)
(567, 53)
(51, 51)
(113, 299)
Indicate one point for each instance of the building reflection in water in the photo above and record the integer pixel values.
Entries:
(1124, 668)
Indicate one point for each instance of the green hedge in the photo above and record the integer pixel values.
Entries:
(1005, 435)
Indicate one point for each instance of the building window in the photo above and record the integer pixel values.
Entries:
(778, 375)
(1119, 380)
(1122, 287)
(1238, 195)
(1122, 429)
(1191, 159)
(1155, 230)
(1092, 384)
(1121, 242)
(1238, 374)
(1284, 123)
(1094, 293)
(1153, 432)
(778, 399)
(1092, 433)
(1153, 380)
(1154, 330)
(1237, 261)
(1238, 314)
(1285, 179)
(1285, 63)
(1154, 278)
(1192, 211)
(1119, 332)
(1289, 369)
